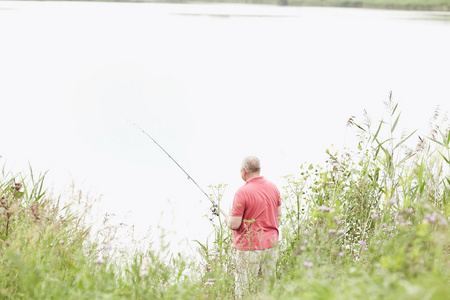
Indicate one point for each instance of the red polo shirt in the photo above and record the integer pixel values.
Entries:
(257, 202)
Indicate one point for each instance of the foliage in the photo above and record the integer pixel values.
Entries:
(399, 4)
(371, 223)
(433, 5)
(373, 219)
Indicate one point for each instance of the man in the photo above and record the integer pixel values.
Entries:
(254, 219)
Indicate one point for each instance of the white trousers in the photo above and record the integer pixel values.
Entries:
(252, 266)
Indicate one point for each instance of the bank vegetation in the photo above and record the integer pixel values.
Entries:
(371, 222)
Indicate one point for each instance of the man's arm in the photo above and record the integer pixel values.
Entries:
(233, 222)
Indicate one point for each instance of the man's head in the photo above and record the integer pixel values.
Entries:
(250, 167)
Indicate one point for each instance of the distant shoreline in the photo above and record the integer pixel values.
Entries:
(424, 5)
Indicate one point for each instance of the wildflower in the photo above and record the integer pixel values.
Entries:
(392, 202)
(305, 242)
(51, 244)
(409, 210)
(408, 223)
(332, 231)
(61, 242)
(16, 186)
(302, 248)
(108, 247)
(375, 216)
(210, 281)
(362, 243)
(341, 254)
(324, 208)
(341, 231)
(306, 232)
(384, 225)
(99, 261)
(308, 264)
(431, 218)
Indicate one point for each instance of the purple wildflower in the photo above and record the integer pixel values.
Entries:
(409, 223)
(341, 254)
(431, 218)
(308, 264)
(362, 243)
(375, 216)
(332, 231)
(384, 225)
(341, 231)
(324, 208)
(99, 261)
(302, 248)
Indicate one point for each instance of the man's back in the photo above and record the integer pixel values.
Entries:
(257, 203)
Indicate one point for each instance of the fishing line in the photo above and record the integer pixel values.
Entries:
(215, 207)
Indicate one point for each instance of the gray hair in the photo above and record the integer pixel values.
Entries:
(251, 164)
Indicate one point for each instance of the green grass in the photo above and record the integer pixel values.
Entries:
(369, 223)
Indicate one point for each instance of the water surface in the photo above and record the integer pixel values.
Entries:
(211, 83)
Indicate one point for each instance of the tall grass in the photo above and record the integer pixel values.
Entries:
(370, 223)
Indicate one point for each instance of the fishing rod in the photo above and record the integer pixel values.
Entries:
(215, 207)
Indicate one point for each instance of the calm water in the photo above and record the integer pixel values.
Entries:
(212, 83)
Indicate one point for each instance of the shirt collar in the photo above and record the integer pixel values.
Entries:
(254, 179)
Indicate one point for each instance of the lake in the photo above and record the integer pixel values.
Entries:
(211, 83)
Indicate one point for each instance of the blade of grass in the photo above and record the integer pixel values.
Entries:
(404, 140)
